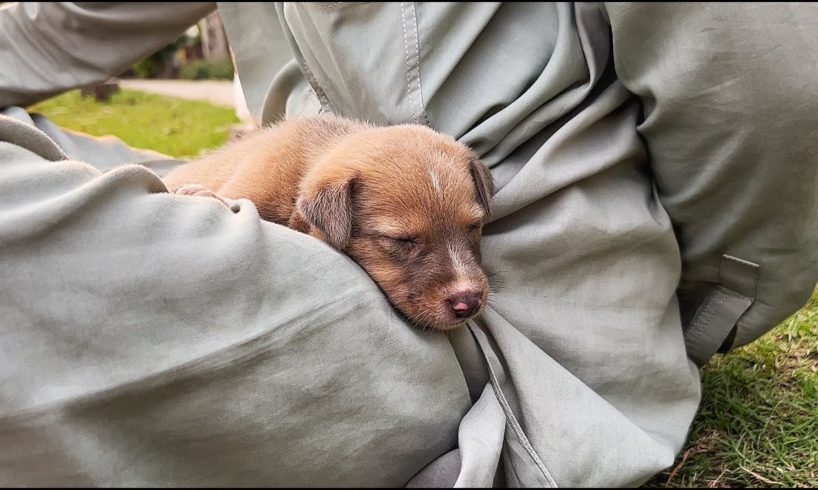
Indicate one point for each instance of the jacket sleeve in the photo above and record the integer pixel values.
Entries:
(49, 47)
(730, 96)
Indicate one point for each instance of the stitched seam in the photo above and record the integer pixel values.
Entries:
(693, 324)
(417, 66)
(699, 321)
(703, 316)
(511, 421)
(328, 5)
(322, 97)
(408, 64)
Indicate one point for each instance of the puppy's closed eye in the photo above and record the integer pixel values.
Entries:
(407, 239)
(403, 244)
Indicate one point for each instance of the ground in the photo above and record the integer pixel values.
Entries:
(173, 126)
(217, 92)
(758, 421)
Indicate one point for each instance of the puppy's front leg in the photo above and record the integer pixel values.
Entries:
(202, 191)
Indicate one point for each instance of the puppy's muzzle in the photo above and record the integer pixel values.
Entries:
(465, 303)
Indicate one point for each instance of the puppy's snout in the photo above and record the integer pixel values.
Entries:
(465, 303)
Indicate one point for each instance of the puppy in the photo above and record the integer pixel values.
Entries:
(405, 202)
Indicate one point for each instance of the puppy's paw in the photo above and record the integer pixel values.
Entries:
(195, 190)
(198, 190)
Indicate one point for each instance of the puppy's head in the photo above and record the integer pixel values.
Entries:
(408, 205)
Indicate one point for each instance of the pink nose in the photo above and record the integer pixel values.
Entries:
(465, 303)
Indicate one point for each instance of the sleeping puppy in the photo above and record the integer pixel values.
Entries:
(405, 202)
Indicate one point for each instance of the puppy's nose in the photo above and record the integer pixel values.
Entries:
(465, 303)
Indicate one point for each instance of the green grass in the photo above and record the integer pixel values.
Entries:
(758, 422)
(176, 127)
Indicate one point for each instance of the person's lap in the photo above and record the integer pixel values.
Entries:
(172, 341)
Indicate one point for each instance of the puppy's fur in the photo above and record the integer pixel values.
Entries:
(405, 202)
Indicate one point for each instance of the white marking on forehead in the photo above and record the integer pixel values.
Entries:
(435, 181)
(460, 270)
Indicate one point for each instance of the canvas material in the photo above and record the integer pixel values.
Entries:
(606, 152)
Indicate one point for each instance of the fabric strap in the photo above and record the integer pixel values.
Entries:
(716, 318)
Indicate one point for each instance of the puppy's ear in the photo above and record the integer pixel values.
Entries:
(483, 183)
(325, 202)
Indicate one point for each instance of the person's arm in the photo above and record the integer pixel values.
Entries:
(49, 47)
(730, 101)
(156, 340)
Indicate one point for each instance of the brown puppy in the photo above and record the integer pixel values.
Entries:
(405, 202)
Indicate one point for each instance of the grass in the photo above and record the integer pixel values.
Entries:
(758, 421)
(176, 127)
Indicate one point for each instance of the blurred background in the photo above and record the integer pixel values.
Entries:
(180, 101)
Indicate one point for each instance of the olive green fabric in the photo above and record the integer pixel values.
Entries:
(639, 151)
